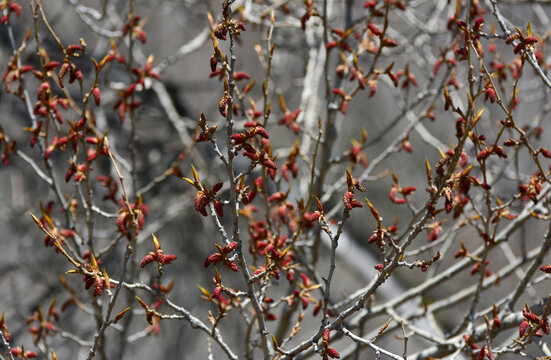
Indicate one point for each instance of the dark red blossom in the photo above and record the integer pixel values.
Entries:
(159, 256)
(522, 328)
(223, 256)
(374, 29)
(530, 316)
(125, 221)
(213, 259)
(350, 202)
(203, 197)
(240, 75)
(269, 163)
(217, 292)
(489, 93)
(51, 65)
(332, 353)
(97, 95)
(545, 325)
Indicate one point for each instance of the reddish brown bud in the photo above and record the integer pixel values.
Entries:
(304, 301)
(350, 202)
(62, 72)
(545, 152)
(290, 276)
(305, 280)
(278, 196)
(522, 328)
(230, 247)
(528, 315)
(510, 142)
(374, 29)
(223, 106)
(370, 4)
(15, 8)
(217, 291)
(167, 259)
(71, 49)
(213, 259)
(389, 42)
(238, 138)
(147, 259)
(213, 63)
(478, 24)
(51, 65)
(25, 68)
(17, 351)
(344, 106)
(325, 338)
(218, 207)
(97, 95)
(482, 155)
(315, 216)
(269, 164)
(262, 132)
(393, 77)
(240, 75)
(201, 202)
(98, 286)
(140, 34)
(338, 31)
(43, 91)
(332, 353)
(339, 92)
(232, 266)
(490, 94)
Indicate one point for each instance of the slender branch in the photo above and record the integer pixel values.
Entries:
(6, 345)
(358, 339)
(532, 269)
